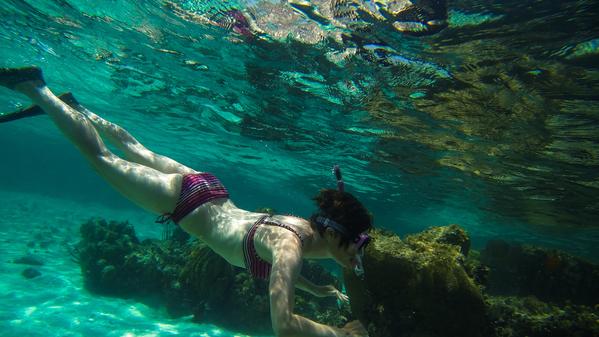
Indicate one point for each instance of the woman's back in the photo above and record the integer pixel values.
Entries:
(222, 226)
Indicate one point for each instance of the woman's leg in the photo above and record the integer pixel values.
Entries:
(147, 187)
(134, 151)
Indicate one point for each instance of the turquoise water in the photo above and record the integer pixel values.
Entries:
(491, 124)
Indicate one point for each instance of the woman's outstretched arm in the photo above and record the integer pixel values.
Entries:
(320, 290)
(286, 266)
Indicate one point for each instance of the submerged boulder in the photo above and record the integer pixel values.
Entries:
(418, 287)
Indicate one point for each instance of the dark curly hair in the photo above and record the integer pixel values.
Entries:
(345, 209)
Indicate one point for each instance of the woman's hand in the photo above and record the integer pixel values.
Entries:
(330, 290)
(354, 329)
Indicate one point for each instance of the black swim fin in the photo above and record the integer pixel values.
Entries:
(11, 77)
(30, 111)
(35, 110)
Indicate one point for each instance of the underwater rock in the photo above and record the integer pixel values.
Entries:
(30, 273)
(30, 259)
(417, 287)
(550, 275)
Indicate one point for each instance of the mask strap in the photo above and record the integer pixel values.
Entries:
(326, 222)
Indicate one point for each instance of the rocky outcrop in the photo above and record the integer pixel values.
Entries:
(418, 287)
(425, 285)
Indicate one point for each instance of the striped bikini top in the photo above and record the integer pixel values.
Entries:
(259, 268)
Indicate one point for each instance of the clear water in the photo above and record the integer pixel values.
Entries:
(491, 124)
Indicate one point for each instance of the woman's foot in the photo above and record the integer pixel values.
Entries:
(12, 77)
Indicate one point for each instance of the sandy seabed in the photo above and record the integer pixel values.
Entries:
(56, 303)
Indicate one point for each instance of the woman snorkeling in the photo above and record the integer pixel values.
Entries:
(270, 247)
